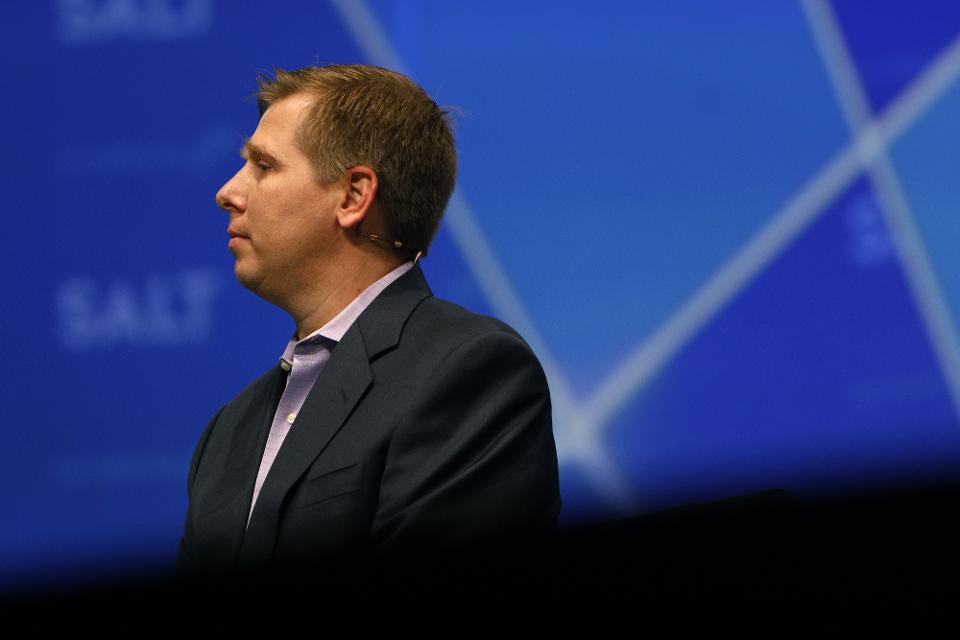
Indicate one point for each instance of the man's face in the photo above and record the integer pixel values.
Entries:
(282, 223)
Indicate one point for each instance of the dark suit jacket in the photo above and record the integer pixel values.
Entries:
(429, 425)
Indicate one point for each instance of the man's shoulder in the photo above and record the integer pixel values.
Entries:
(440, 334)
(447, 321)
(409, 297)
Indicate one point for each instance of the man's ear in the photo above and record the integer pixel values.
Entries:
(359, 192)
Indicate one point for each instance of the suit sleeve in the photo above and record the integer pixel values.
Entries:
(183, 556)
(474, 460)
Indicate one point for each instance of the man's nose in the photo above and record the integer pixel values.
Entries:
(231, 196)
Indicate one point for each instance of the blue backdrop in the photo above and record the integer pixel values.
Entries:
(729, 230)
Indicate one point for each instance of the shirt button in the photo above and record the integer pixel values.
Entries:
(291, 418)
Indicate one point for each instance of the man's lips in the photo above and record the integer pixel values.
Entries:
(236, 238)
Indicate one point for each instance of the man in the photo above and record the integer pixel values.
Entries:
(393, 420)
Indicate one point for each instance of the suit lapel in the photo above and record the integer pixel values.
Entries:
(344, 379)
(224, 514)
(341, 385)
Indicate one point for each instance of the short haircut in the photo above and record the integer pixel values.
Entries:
(367, 115)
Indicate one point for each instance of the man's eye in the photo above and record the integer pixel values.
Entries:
(263, 166)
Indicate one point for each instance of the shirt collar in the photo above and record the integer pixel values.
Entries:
(334, 330)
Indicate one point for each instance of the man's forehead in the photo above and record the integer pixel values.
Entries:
(276, 132)
(286, 113)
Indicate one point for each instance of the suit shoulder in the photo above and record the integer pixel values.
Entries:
(440, 331)
(449, 322)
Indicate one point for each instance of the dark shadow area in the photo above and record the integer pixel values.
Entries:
(899, 545)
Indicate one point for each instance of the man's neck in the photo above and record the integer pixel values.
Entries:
(329, 296)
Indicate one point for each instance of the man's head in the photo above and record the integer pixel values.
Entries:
(370, 116)
(340, 153)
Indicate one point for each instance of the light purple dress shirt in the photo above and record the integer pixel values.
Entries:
(304, 360)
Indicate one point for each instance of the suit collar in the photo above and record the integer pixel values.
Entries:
(382, 322)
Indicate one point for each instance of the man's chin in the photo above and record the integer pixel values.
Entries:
(255, 283)
(247, 279)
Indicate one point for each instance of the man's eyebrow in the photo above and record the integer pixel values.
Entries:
(253, 151)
